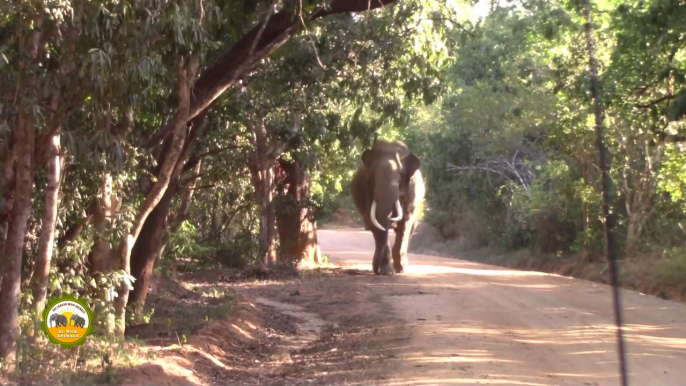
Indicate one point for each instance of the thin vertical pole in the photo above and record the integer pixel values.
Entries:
(610, 249)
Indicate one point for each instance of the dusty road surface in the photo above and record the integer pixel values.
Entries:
(473, 324)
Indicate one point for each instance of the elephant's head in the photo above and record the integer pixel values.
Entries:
(390, 166)
(54, 318)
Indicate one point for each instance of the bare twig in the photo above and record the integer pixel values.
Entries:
(510, 170)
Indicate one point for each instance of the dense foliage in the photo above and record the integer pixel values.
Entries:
(510, 156)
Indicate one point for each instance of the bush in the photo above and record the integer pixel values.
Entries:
(239, 252)
(549, 209)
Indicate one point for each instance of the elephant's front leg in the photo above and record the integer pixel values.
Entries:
(403, 231)
(382, 253)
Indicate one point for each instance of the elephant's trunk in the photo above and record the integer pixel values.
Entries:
(385, 199)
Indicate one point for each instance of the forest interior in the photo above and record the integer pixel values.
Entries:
(184, 168)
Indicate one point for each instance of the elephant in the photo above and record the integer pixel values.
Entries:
(58, 320)
(387, 190)
(78, 321)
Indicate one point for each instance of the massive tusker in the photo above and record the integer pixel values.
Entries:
(387, 188)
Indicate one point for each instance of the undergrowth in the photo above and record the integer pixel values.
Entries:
(177, 307)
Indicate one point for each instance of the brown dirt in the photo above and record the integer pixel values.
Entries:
(270, 338)
(445, 321)
(645, 274)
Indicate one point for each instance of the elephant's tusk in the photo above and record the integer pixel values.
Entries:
(373, 216)
(399, 210)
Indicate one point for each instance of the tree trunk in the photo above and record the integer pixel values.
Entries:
(265, 196)
(586, 209)
(146, 250)
(165, 176)
(7, 156)
(102, 256)
(14, 245)
(149, 248)
(182, 214)
(633, 233)
(47, 234)
(261, 165)
(295, 222)
(585, 253)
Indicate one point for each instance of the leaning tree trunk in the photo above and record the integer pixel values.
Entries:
(165, 176)
(155, 234)
(145, 251)
(14, 245)
(46, 240)
(295, 220)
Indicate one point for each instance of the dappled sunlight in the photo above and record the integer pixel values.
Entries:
(592, 352)
(641, 327)
(529, 286)
(585, 376)
(572, 335)
(421, 268)
(565, 310)
(212, 359)
(679, 343)
(502, 347)
(242, 331)
(457, 286)
(354, 264)
(461, 381)
(460, 359)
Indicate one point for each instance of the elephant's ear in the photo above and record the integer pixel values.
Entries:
(412, 164)
(367, 157)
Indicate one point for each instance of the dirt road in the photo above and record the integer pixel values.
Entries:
(477, 324)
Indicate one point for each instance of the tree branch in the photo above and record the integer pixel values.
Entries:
(257, 44)
(655, 102)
